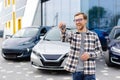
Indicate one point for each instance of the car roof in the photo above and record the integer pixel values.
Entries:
(36, 26)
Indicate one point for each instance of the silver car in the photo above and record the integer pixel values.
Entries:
(50, 53)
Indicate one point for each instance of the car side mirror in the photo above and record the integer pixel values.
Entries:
(108, 39)
(8, 36)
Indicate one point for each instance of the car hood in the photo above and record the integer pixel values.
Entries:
(115, 43)
(15, 41)
(52, 47)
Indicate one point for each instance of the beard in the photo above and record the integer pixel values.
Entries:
(80, 26)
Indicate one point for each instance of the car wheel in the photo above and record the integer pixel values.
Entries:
(107, 59)
(104, 49)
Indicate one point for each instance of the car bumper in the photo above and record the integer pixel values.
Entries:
(16, 53)
(115, 58)
(38, 63)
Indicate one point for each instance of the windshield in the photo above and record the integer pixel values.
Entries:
(54, 34)
(117, 34)
(26, 32)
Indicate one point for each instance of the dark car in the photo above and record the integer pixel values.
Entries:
(21, 43)
(113, 54)
(102, 34)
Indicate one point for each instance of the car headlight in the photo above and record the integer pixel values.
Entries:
(114, 49)
(35, 52)
(26, 43)
(66, 55)
(28, 49)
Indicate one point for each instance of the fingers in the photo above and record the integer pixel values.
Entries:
(85, 56)
(62, 26)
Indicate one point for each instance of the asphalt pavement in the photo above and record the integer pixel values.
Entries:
(22, 70)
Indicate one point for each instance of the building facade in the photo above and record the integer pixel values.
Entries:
(15, 14)
(102, 14)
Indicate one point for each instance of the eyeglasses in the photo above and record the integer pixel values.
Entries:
(78, 20)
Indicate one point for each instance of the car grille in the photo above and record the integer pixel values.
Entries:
(48, 64)
(51, 60)
(51, 57)
(11, 53)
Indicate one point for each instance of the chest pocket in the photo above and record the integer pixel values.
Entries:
(76, 39)
(89, 43)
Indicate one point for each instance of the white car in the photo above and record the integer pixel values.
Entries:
(50, 53)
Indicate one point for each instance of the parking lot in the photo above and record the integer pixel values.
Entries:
(22, 70)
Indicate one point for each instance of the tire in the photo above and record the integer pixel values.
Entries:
(107, 59)
(104, 48)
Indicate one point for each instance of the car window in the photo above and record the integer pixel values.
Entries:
(54, 34)
(118, 38)
(26, 32)
(117, 34)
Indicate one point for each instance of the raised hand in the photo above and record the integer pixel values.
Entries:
(62, 26)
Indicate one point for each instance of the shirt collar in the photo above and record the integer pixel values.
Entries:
(82, 32)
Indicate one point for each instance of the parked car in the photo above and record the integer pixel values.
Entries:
(113, 55)
(102, 34)
(48, 53)
(21, 43)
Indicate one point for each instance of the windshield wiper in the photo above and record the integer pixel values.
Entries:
(17, 36)
(47, 39)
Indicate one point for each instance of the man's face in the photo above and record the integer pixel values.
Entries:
(80, 22)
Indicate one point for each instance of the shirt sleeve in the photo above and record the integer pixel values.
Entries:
(98, 49)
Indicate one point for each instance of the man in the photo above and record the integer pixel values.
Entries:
(85, 47)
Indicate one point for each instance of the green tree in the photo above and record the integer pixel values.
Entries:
(95, 13)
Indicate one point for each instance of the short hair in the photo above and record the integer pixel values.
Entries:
(80, 13)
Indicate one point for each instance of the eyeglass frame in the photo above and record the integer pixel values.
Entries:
(78, 20)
